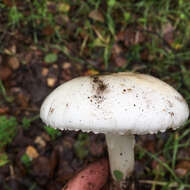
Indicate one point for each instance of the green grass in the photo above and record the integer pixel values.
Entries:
(81, 145)
(3, 92)
(165, 176)
(8, 130)
(25, 159)
(149, 16)
(26, 122)
(3, 159)
(15, 17)
(53, 133)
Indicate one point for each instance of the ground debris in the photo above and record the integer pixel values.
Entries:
(32, 152)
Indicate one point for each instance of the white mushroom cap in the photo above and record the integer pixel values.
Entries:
(124, 103)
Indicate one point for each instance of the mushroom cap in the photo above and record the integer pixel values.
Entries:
(123, 103)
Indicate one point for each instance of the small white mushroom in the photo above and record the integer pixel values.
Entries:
(119, 105)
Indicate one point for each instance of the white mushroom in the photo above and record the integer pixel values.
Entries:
(119, 105)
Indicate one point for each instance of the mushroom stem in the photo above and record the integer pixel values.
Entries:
(121, 155)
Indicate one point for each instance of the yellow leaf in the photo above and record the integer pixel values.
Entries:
(177, 46)
(31, 152)
(92, 72)
(64, 7)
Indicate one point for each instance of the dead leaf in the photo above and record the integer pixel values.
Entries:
(64, 7)
(14, 63)
(120, 61)
(48, 30)
(66, 65)
(116, 49)
(11, 50)
(68, 142)
(8, 3)
(91, 72)
(168, 33)
(31, 152)
(131, 36)
(40, 141)
(120, 36)
(5, 73)
(28, 57)
(46, 137)
(52, 7)
(51, 81)
(182, 168)
(96, 15)
(23, 99)
(66, 75)
(45, 72)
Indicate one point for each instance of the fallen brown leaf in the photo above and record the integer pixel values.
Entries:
(116, 49)
(51, 81)
(4, 110)
(14, 63)
(9, 3)
(96, 15)
(32, 152)
(182, 168)
(131, 36)
(45, 72)
(120, 61)
(5, 73)
(40, 141)
(48, 30)
(23, 99)
(66, 65)
(168, 33)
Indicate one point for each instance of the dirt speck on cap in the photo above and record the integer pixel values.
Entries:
(51, 110)
(171, 113)
(170, 103)
(99, 85)
(180, 99)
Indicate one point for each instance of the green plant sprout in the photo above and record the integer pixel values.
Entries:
(80, 145)
(53, 133)
(3, 159)
(26, 122)
(26, 160)
(4, 93)
(8, 130)
(15, 17)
